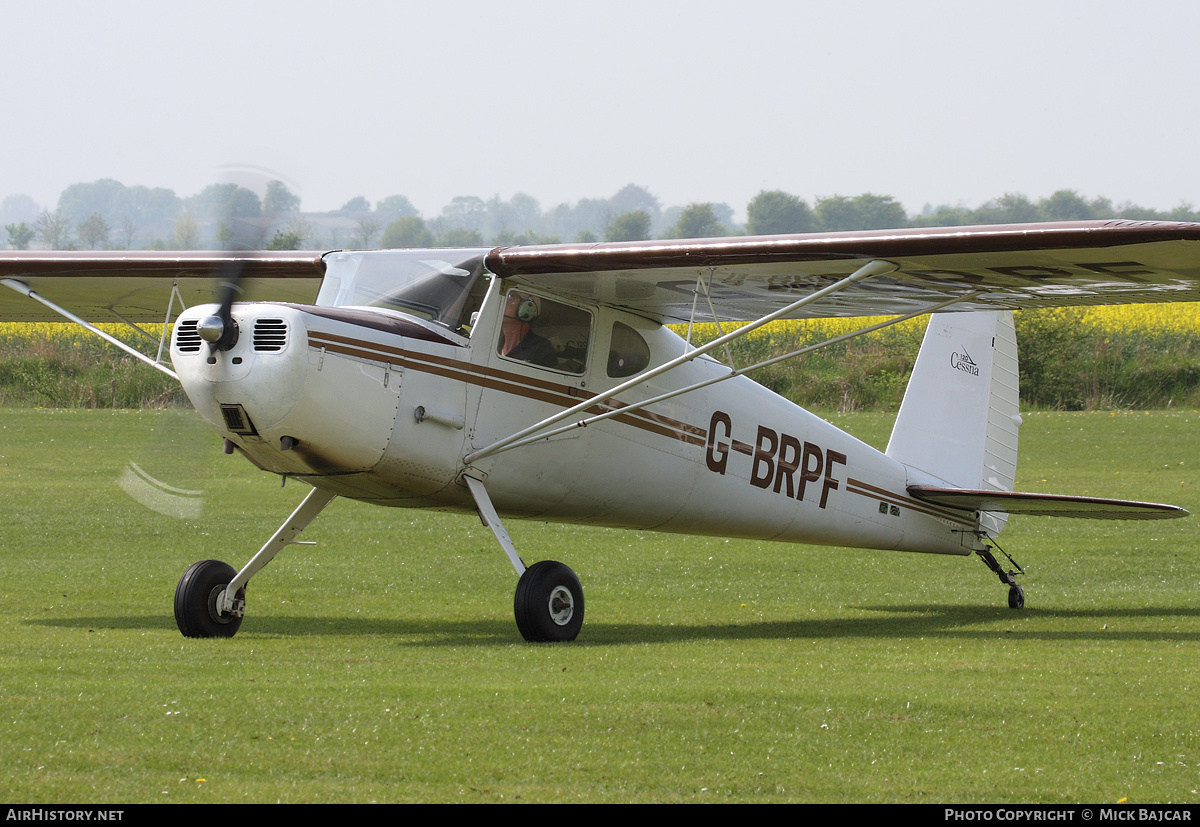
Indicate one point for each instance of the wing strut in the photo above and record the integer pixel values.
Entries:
(872, 268)
(24, 289)
(707, 293)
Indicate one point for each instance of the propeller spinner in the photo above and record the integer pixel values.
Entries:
(220, 330)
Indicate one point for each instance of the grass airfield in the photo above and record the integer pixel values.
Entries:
(383, 664)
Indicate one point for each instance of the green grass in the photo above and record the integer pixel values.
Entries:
(383, 664)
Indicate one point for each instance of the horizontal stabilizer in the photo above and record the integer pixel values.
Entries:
(1045, 505)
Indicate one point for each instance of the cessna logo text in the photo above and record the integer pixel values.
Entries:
(780, 462)
(964, 362)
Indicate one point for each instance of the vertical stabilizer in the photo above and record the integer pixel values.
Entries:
(959, 419)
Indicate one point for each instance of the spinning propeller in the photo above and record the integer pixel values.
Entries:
(145, 477)
(219, 329)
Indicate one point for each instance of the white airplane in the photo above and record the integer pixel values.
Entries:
(541, 382)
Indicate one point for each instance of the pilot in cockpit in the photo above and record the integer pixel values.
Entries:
(517, 339)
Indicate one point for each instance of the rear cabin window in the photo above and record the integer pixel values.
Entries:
(543, 332)
(628, 352)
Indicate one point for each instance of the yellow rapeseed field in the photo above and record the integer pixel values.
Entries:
(1179, 319)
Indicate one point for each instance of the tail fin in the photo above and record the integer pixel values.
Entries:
(958, 422)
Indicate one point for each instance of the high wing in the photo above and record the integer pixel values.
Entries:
(1012, 266)
(739, 278)
(136, 286)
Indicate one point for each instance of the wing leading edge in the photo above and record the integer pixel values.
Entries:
(136, 285)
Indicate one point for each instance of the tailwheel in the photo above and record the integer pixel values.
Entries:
(196, 597)
(549, 603)
(1016, 597)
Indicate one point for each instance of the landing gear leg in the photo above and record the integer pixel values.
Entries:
(548, 604)
(1016, 595)
(210, 599)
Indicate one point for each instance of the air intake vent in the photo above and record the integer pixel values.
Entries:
(269, 335)
(237, 421)
(187, 338)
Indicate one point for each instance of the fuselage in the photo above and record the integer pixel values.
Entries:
(384, 403)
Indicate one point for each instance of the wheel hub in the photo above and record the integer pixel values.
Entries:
(562, 605)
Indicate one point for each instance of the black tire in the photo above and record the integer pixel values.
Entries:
(1016, 597)
(549, 603)
(196, 600)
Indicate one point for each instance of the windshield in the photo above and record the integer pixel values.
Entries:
(443, 286)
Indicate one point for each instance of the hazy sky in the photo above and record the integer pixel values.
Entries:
(930, 102)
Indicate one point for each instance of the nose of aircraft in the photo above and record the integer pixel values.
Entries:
(262, 374)
(290, 408)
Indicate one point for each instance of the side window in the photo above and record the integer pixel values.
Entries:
(544, 332)
(628, 353)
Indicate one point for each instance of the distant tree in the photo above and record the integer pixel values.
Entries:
(279, 199)
(408, 231)
(862, 212)
(187, 232)
(697, 221)
(397, 205)
(224, 201)
(293, 237)
(19, 235)
(1184, 212)
(148, 206)
(464, 212)
(356, 204)
(944, 216)
(368, 227)
(1069, 205)
(1066, 205)
(93, 231)
(511, 239)
(54, 229)
(225, 235)
(628, 226)
(18, 208)
(526, 211)
(105, 198)
(631, 198)
(127, 232)
(1010, 208)
(724, 214)
(586, 237)
(460, 237)
(774, 211)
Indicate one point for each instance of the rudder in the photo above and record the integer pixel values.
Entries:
(959, 418)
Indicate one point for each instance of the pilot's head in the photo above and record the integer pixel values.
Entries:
(522, 306)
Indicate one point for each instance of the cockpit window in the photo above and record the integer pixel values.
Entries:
(443, 286)
(628, 352)
(544, 332)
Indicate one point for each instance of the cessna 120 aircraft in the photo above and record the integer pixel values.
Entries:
(541, 382)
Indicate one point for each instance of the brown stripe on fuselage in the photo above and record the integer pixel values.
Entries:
(874, 492)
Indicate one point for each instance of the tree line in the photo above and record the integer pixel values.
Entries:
(106, 214)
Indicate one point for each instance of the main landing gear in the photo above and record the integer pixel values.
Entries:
(1016, 595)
(548, 604)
